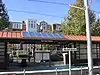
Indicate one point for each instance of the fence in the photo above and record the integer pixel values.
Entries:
(75, 71)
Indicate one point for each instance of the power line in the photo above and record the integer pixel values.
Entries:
(49, 14)
(48, 2)
(91, 1)
(57, 3)
(28, 12)
(34, 13)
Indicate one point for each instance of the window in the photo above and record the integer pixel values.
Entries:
(94, 50)
(31, 25)
(98, 50)
(31, 22)
(83, 56)
(44, 27)
(83, 46)
(17, 25)
(83, 51)
(94, 55)
(93, 45)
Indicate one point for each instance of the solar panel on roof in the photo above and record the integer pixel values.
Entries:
(47, 34)
(56, 35)
(25, 34)
(51, 35)
(32, 34)
(44, 35)
(38, 34)
(61, 35)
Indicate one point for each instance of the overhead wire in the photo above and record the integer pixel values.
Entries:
(51, 3)
(34, 13)
(90, 2)
(42, 13)
(57, 3)
(48, 2)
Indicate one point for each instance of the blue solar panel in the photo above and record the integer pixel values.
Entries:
(61, 35)
(38, 34)
(32, 34)
(44, 35)
(51, 35)
(56, 35)
(26, 34)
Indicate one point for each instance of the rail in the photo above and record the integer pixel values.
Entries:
(48, 71)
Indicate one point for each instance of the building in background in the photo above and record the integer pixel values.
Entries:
(49, 28)
(38, 27)
(56, 27)
(16, 26)
(31, 25)
(23, 26)
(43, 26)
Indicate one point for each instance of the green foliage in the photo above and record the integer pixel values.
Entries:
(75, 22)
(63, 28)
(96, 28)
(3, 24)
(4, 19)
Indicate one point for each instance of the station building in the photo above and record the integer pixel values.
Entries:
(58, 40)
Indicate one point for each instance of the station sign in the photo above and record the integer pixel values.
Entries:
(69, 49)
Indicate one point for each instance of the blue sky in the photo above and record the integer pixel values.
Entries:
(43, 8)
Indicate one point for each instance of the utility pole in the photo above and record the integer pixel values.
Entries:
(88, 34)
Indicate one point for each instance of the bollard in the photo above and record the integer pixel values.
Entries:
(24, 71)
(81, 70)
(56, 72)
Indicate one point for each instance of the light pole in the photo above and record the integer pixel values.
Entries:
(88, 34)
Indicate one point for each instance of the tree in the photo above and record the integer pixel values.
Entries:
(4, 18)
(63, 27)
(75, 22)
(96, 28)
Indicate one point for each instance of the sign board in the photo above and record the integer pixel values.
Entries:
(60, 52)
(69, 49)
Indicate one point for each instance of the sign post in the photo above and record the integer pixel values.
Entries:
(69, 50)
(64, 58)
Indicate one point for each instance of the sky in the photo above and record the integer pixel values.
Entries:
(43, 8)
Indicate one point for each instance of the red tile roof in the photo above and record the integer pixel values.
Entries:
(80, 38)
(0, 34)
(6, 34)
(19, 34)
(9, 34)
